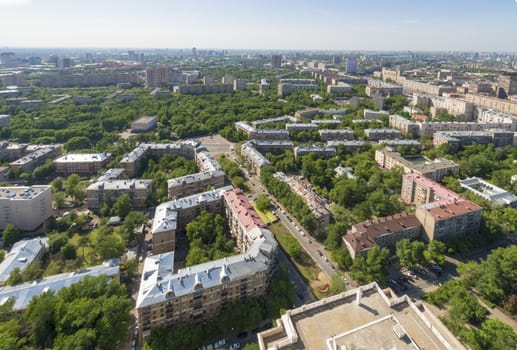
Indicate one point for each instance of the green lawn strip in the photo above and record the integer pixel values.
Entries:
(305, 265)
(266, 216)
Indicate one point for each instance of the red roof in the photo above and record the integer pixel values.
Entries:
(449, 210)
(443, 193)
(243, 209)
(421, 117)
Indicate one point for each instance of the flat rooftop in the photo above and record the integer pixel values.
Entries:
(82, 157)
(378, 321)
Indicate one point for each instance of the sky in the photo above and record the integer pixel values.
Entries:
(417, 25)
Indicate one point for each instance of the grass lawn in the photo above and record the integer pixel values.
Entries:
(305, 265)
(266, 216)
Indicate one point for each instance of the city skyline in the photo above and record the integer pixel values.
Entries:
(228, 24)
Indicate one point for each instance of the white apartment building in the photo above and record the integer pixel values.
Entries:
(25, 207)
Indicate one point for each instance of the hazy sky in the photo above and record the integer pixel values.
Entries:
(481, 25)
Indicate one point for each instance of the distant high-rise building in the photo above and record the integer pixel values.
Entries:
(132, 56)
(157, 77)
(351, 66)
(507, 85)
(337, 59)
(194, 52)
(8, 58)
(276, 61)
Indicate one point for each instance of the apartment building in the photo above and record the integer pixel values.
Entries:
(283, 118)
(406, 126)
(382, 134)
(194, 183)
(462, 110)
(270, 134)
(81, 163)
(276, 61)
(418, 190)
(254, 160)
(506, 85)
(22, 254)
(273, 146)
(381, 88)
(169, 298)
(23, 293)
(170, 218)
(135, 160)
(336, 135)
(449, 220)
(297, 127)
(434, 169)
(326, 122)
(35, 157)
(348, 145)
(491, 116)
(157, 77)
(443, 213)
(315, 203)
(459, 139)
(285, 89)
(504, 106)
(318, 151)
(144, 124)
(369, 114)
(198, 89)
(5, 120)
(413, 86)
(25, 207)
(11, 151)
(340, 88)
(384, 232)
(401, 142)
(109, 191)
(67, 79)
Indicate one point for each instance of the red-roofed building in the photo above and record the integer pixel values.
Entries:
(420, 117)
(241, 216)
(445, 220)
(418, 190)
(385, 232)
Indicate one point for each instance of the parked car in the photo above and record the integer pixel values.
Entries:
(235, 346)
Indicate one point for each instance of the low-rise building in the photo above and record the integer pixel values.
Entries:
(35, 158)
(434, 169)
(5, 120)
(81, 163)
(459, 139)
(199, 89)
(318, 151)
(285, 89)
(369, 114)
(10, 151)
(339, 89)
(194, 183)
(297, 127)
(270, 134)
(253, 158)
(326, 122)
(22, 254)
(426, 88)
(348, 145)
(401, 142)
(406, 126)
(418, 190)
(27, 208)
(144, 124)
(489, 192)
(273, 146)
(382, 134)
(23, 293)
(283, 118)
(315, 203)
(108, 191)
(381, 88)
(384, 232)
(337, 135)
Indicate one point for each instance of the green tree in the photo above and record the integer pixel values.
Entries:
(2, 255)
(69, 251)
(410, 253)
(122, 206)
(263, 202)
(57, 184)
(15, 277)
(72, 181)
(496, 335)
(59, 199)
(77, 143)
(40, 315)
(11, 234)
(371, 267)
(436, 252)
